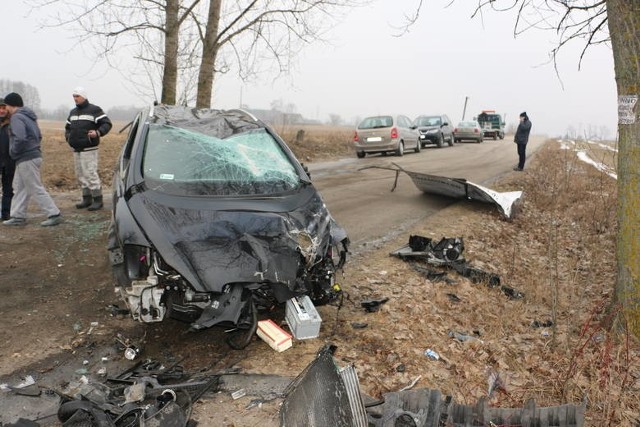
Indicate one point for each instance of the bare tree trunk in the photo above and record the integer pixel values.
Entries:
(210, 48)
(171, 38)
(624, 28)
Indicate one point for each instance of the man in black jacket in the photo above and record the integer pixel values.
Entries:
(86, 124)
(7, 164)
(521, 138)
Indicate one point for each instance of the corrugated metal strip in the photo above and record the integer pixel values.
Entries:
(350, 379)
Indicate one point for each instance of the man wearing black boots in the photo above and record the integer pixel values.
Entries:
(86, 124)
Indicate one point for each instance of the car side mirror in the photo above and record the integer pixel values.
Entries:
(445, 124)
(414, 127)
(306, 170)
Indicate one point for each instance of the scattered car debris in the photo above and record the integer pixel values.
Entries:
(463, 337)
(454, 298)
(542, 324)
(320, 395)
(130, 350)
(448, 253)
(445, 251)
(413, 383)
(458, 188)
(145, 394)
(274, 335)
(373, 305)
(431, 354)
(238, 394)
(359, 325)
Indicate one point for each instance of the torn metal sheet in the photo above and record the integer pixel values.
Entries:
(459, 188)
(319, 396)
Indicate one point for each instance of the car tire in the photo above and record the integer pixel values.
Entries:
(418, 147)
(361, 154)
(451, 141)
(400, 150)
(440, 141)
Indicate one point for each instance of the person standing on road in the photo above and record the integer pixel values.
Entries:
(7, 165)
(521, 138)
(25, 150)
(85, 125)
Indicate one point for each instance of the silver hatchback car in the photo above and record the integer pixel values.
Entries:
(383, 134)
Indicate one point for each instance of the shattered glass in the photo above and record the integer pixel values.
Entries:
(187, 162)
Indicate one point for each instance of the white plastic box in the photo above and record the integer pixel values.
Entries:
(303, 318)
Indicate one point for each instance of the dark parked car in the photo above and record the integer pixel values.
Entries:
(436, 129)
(214, 219)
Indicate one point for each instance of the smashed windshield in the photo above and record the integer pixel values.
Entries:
(181, 161)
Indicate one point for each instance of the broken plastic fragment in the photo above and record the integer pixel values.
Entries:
(373, 305)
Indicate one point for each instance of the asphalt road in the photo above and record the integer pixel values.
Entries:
(362, 201)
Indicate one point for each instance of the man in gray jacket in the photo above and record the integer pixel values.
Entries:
(25, 150)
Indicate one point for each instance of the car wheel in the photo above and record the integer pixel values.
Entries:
(418, 147)
(360, 154)
(440, 141)
(451, 140)
(400, 149)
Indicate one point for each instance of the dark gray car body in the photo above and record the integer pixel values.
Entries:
(211, 251)
(435, 129)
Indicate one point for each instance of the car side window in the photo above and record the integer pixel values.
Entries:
(128, 147)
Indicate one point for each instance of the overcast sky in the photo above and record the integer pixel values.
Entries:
(445, 58)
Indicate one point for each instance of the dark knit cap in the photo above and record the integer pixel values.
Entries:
(523, 114)
(13, 100)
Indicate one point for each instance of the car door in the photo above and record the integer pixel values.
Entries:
(447, 130)
(408, 135)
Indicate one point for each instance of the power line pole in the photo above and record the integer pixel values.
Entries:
(464, 110)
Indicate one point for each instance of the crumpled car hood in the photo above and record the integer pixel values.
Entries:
(212, 243)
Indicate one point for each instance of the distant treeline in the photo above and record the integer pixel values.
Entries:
(121, 113)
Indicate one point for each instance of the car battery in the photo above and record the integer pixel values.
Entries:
(303, 318)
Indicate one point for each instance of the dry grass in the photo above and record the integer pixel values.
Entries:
(559, 251)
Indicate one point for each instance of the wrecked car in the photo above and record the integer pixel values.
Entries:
(214, 219)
